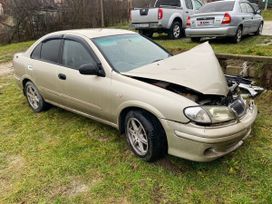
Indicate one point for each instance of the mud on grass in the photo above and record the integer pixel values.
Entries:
(60, 157)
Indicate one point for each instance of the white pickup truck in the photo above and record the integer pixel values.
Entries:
(167, 16)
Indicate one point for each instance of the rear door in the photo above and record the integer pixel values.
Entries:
(247, 18)
(44, 66)
(253, 21)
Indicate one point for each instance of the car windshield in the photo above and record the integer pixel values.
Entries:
(219, 6)
(130, 51)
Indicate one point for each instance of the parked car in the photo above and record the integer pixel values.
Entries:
(168, 16)
(226, 18)
(163, 103)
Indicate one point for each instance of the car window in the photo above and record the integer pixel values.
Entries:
(75, 55)
(167, 3)
(243, 8)
(50, 50)
(197, 4)
(249, 8)
(219, 6)
(36, 54)
(189, 4)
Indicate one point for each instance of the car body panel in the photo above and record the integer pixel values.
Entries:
(105, 98)
(203, 75)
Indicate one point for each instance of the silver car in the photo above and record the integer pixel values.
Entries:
(225, 19)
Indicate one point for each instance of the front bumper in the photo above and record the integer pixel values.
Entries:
(211, 32)
(204, 144)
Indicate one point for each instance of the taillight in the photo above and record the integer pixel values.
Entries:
(160, 13)
(188, 22)
(226, 19)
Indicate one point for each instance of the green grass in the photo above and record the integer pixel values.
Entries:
(60, 157)
(7, 51)
(251, 45)
(267, 15)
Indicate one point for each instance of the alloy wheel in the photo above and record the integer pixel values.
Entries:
(137, 136)
(32, 96)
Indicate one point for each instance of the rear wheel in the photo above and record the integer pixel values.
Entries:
(195, 39)
(260, 29)
(34, 98)
(145, 135)
(147, 33)
(238, 36)
(176, 31)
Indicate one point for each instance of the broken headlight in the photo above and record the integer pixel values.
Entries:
(209, 114)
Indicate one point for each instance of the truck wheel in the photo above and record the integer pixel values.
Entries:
(147, 33)
(195, 39)
(176, 31)
(145, 135)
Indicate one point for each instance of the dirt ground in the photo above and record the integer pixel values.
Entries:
(6, 68)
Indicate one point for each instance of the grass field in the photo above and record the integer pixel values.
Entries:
(267, 15)
(60, 157)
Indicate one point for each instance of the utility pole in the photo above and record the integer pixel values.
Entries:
(266, 4)
(102, 13)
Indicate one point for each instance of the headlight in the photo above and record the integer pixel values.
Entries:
(209, 114)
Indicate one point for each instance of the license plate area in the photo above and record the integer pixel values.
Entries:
(141, 25)
(205, 21)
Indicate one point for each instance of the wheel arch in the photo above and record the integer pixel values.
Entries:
(175, 18)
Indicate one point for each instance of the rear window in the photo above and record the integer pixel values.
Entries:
(167, 3)
(217, 7)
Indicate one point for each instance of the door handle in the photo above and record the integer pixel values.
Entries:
(62, 76)
(243, 18)
(29, 67)
(186, 11)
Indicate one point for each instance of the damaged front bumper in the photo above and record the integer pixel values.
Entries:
(204, 144)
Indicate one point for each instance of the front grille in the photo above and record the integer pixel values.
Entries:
(239, 107)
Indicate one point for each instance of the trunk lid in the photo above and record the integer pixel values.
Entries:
(197, 69)
(207, 20)
(144, 15)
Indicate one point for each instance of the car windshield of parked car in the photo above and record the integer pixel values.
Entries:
(220, 6)
(127, 52)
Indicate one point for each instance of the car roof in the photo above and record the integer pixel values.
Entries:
(93, 32)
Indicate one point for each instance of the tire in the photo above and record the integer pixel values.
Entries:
(238, 35)
(260, 29)
(176, 31)
(147, 33)
(34, 98)
(145, 136)
(196, 39)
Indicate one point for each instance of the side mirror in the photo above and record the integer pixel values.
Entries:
(258, 11)
(92, 69)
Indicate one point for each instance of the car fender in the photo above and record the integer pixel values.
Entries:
(171, 20)
(138, 104)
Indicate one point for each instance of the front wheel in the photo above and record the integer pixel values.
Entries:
(176, 31)
(260, 29)
(145, 135)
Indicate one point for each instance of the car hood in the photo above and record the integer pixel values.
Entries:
(197, 69)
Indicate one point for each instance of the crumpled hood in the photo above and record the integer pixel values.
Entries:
(197, 69)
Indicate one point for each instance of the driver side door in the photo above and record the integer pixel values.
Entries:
(85, 93)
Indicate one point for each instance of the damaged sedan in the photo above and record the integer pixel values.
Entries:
(181, 105)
